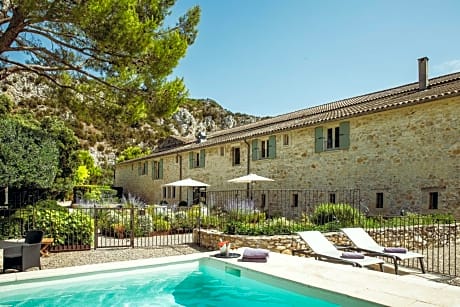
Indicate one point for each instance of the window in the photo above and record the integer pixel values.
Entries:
(222, 151)
(433, 201)
(295, 200)
(236, 156)
(333, 137)
(142, 168)
(285, 139)
(196, 159)
(264, 149)
(332, 198)
(379, 200)
(157, 169)
(164, 192)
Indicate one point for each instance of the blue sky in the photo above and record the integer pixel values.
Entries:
(271, 57)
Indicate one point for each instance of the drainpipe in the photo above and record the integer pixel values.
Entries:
(248, 164)
(248, 167)
(180, 174)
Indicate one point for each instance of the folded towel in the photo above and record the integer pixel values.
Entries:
(350, 255)
(255, 253)
(401, 250)
(245, 259)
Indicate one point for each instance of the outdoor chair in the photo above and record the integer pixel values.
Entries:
(323, 249)
(364, 242)
(23, 256)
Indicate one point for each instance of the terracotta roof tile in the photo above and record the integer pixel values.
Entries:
(409, 94)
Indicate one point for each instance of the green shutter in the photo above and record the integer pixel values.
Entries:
(146, 167)
(153, 170)
(319, 139)
(139, 168)
(190, 159)
(160, 172)
(272, 147)
(344, 134)
(202, 158)
(255, 149)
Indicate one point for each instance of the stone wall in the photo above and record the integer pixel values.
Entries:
(402, 154)
(413, 238)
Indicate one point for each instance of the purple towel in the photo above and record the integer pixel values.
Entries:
(350, 255)
(401, 250)
(245, 259)
(255, 253)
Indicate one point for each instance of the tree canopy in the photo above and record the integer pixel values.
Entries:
(118, 53)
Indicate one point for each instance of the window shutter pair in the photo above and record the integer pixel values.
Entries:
(271, 148)
(191, 159)
(344, 137)
(158, 171)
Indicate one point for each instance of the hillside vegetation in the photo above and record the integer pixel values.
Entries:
(105, 134)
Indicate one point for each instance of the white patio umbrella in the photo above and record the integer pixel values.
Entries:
(188, 182)
(250, 178)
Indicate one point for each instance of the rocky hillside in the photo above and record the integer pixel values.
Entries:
(106, 138)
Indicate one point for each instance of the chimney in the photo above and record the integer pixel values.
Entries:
(422, 73)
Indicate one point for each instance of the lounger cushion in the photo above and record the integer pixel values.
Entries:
(352, 255)
(401, 250)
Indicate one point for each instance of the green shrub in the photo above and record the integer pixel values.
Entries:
(161, 225)
(143, 225)
(339, 214)
(65, 227)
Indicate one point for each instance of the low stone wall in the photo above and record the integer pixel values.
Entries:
(413, 238)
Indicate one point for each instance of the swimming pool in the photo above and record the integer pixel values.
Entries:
(206, 282)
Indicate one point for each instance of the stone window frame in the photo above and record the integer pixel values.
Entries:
(432, 194)
(286, 139)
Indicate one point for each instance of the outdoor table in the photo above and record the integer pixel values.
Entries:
(46, 242)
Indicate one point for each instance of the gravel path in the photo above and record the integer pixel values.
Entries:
(65, 259)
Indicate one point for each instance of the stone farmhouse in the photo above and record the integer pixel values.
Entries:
(400, 147)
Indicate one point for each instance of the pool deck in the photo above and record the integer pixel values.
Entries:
(408, 289)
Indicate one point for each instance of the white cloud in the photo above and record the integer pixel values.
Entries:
(447, 67)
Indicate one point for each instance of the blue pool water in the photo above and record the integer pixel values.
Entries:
(185, 284)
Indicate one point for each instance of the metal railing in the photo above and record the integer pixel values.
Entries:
(257, 212)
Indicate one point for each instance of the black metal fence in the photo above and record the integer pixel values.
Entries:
(257, 212)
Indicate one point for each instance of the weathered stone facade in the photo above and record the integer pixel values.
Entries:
(403, 155)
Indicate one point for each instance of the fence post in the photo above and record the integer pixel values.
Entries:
(96, 234)
(131, 225)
